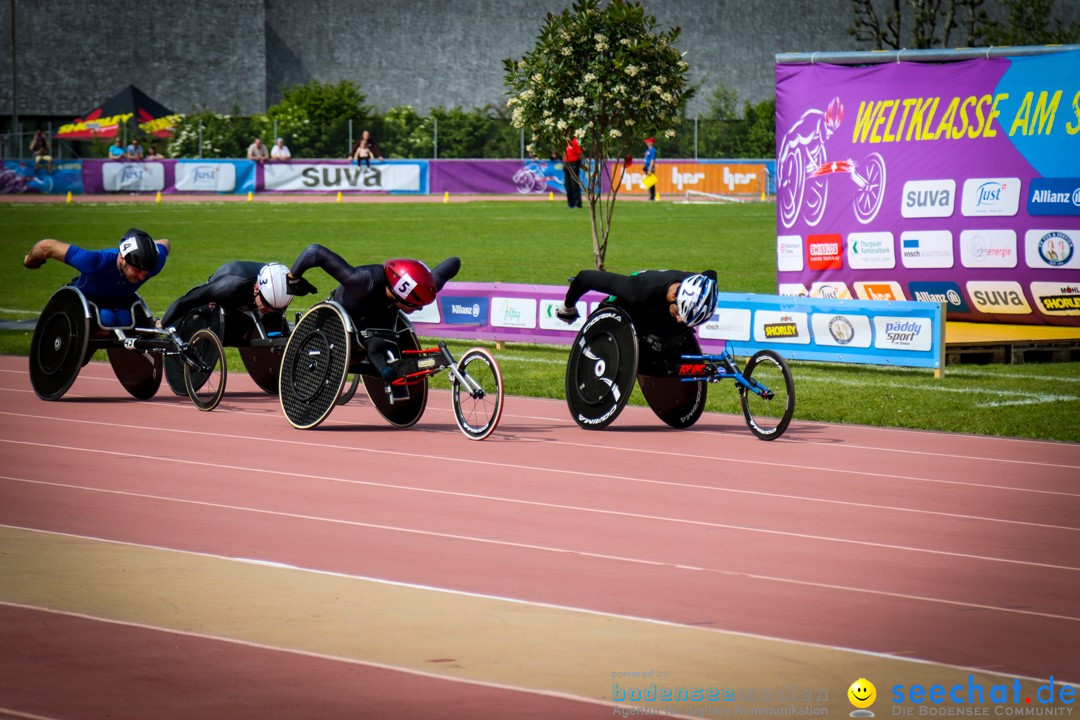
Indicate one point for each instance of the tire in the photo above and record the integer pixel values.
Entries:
(601, 368)
(60, 344)
(477, 417)
(768, 418)
(314, 366)
(205, 388)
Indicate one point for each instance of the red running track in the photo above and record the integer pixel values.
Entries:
(956, 549)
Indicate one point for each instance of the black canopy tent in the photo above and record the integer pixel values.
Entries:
(106, 120)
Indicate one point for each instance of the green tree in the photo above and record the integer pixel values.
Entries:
(607, 76)
(222, 135)
(1031, 22)
(918, 24)
(314, 117)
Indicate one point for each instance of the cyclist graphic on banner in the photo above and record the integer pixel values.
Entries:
(803, 168)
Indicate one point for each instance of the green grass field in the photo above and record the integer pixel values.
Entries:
(540, 242)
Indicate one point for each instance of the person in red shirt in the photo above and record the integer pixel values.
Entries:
(572, 172)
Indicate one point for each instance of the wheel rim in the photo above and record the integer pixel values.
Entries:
(478, 416)
(767, 416)
(205, 388)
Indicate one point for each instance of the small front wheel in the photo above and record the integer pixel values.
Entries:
(205, 370)
(770, 401)
(477, 413)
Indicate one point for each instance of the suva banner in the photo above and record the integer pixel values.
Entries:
(956, 182)
(396, 176)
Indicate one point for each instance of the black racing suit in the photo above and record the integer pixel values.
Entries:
(363, 293)
(231, 287)
(644, 297)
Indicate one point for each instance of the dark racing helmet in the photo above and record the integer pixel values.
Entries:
(139, 249)
(410, 281)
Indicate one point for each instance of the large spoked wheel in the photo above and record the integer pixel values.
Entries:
(768, 407)
(205, 385)
(478, 413)
(601, 369)
(59, 344)
(314, 366)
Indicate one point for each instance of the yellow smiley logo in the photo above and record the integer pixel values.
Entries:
(862, 693)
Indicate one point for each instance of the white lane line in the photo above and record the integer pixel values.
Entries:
(473, 461)
(667, 483)
(511, 501)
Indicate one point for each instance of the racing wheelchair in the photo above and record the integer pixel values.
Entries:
(260, 340)
(607, 354)
(325, 347)
(69, 332)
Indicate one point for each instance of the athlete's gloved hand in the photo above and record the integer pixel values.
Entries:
(568, 315)
(299, 287)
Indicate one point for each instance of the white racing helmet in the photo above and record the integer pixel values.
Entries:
(696, 299)
(273, 283)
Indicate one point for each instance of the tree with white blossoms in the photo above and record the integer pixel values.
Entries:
(610, 78)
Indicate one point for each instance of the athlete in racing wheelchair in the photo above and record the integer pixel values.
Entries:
(646, 323)
(363, 329)
(243, 303)
(101, 309)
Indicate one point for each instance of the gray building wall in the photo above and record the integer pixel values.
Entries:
(198, 54)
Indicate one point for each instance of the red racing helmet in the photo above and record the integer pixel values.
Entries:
(410, 281)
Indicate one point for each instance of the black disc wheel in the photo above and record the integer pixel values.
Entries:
(601, 368)
(59, 344)
(314, 366)
(477, 409)
(769, 404)
(205, 369)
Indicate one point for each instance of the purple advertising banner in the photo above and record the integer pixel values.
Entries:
(496, 177)
(956, 182)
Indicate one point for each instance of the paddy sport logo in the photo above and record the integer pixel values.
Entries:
(1005, 699)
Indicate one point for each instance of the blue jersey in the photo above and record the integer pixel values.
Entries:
(100, 278)
(650, 160)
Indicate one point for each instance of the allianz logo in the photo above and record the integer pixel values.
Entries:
(470, 310)
(951, 297)
(1049, 196)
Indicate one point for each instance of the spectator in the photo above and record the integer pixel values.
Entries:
(116, 150)
(257, 151)
(572, 172)
(152, 153)
(650, 167)
(134, 150)
(365, 149)
(42, 151)
(280, 151)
